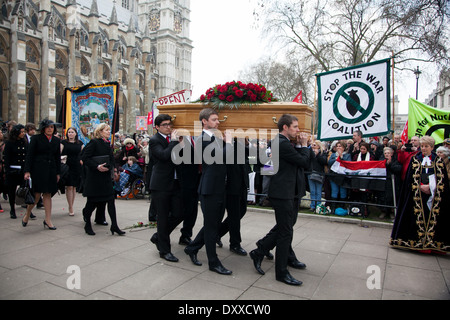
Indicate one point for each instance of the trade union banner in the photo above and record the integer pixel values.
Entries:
(355, 98)
(424, 120)
(84, 108)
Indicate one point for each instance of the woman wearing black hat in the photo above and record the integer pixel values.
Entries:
(14, 158)
(43, 166)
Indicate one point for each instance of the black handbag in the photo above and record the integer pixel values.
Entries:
(101, 160)
(24, 194)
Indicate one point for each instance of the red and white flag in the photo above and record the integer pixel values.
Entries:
(404, 136)
(299, 97)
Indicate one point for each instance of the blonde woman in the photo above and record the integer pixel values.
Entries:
(98, 186)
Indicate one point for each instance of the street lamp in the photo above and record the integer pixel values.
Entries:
(417, 72)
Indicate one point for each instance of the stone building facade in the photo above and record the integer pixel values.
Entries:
(48, 45)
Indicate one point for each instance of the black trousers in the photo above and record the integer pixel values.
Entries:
(169, 209)
(213, 211)
(280, 236)
(236, 206)
(190, 208)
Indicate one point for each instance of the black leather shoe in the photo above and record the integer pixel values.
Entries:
(221, 270)
(297, 264)
(154, 240)
(269, 256)
(288, 279)
(169, 257)
(184, 241)
(193, 256)
(238, 250)
(257, 260)
(219, 243)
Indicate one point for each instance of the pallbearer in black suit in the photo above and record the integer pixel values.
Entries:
(286, 185)
(211, 188)
(165, 185)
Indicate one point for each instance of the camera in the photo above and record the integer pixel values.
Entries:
(408, 147)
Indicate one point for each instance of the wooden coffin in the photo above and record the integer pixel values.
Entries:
(242, 121)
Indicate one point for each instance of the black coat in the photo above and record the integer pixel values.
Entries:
(15, 155)
(43, 162)
(214, 168)
(98, 186)
(163, 171)
(289, 181)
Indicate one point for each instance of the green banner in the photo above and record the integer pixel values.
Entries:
(424, 120)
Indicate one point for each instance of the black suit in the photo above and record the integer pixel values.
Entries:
(166, 191)
(189, 181)
(212, 196)
(286, 187)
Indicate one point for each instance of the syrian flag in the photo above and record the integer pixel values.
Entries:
(370, 175)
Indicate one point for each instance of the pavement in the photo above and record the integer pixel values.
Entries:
(347, 259)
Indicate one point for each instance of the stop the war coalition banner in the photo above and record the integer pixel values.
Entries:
(424, 120)
(355, 98)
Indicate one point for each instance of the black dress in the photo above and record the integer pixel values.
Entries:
(416, 226)
(73, 151)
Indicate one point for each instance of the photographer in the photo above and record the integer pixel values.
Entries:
(406, 152)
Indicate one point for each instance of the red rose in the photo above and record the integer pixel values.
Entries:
(239, 93)
(222, 97)
(230, 98)
(202, 97)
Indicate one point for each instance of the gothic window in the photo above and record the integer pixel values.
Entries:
(31, 91)
(4, 11)
(61, 30)
(126, 4)
(124, 77)
(105, 72)
(60, 62)
(85, 68)
(84, 39)
(34, 20)
(32, 54)
(59, 95)
(3, 49)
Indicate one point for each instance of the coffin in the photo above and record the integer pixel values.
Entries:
(242, 121)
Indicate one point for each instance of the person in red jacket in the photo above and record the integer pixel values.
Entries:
(405, 154)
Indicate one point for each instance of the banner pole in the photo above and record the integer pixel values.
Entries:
(393, 96)
(315, 103)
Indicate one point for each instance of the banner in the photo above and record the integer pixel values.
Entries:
(84, 108)
(355, 98)
(179, 97)
(424, 120)
(370, 175)
(141, 123)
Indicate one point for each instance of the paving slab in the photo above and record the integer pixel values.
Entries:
(347, 259)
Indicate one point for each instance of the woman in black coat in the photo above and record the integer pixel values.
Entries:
(43, 166)
(98, 160)
(14, 158)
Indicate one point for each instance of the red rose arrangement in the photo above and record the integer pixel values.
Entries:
(235, 93)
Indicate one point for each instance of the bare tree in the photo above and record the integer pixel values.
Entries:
(342, 33)
(284, 79)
